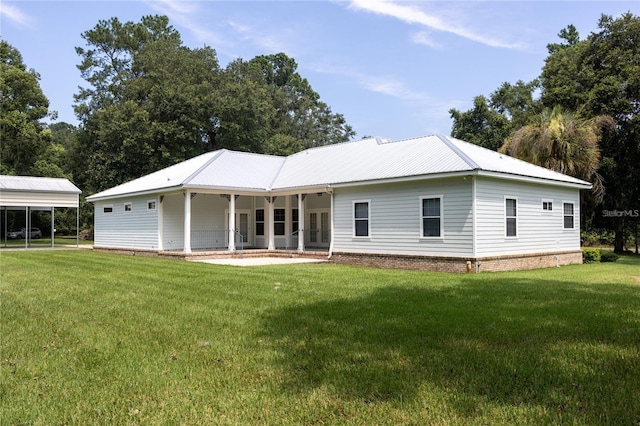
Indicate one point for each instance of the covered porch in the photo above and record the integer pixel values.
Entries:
(206, 221)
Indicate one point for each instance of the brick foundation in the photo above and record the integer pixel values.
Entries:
(426, 263)
(460, 265)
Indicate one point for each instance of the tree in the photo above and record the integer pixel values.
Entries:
(299, 112)
(481, 125)
(562, 142)
(490, 122)
(108, 63)
(601, 75)
(153, 102)
(22, 106)
(595, 77)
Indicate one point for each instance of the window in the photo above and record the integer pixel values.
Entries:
(151, 205)
(568, 215)
(260, 222)
(278, 221)
(547, 205)
(295, 223)
(361, 219)
(431, 208)
(128, 207)
(511, 215)
(108, 209)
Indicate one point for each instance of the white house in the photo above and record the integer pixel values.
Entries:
(433, 202)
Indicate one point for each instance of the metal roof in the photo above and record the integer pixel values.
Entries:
(222, 169)
(346, 163)
(238, 170)
(37, 184)
(491, 161)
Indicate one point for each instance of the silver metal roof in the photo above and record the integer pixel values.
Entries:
(37, 184)
(347, 163)
(238, 170)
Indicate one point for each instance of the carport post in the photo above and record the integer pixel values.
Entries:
(78, 225)
(53, 229)
(27, 227)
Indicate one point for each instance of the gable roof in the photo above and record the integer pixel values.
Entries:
(346, 163)
(37, 184)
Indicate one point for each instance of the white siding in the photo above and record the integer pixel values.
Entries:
(37, 199)
(395, 216)
(538, 230)
(137, 228)
(173, 222)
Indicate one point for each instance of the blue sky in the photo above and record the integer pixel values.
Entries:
(392, 68)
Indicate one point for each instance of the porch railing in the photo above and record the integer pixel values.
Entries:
(291, 246)
(215, 239)
(312, 237)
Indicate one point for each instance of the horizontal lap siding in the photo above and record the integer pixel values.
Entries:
(538, 231)
(173, 222)
(207, 212)
(137, 228)
(395, 218)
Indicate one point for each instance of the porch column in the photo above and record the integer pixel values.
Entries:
(232, 222)
(301, 222)
(187, 222)
(272, 238)
(160, 214)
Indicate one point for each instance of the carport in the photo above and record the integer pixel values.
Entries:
(28, 194)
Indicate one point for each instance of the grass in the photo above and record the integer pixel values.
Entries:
(91, 338)
(44, 242)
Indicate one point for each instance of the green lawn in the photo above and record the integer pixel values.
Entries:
(92, 338)
(44, 242)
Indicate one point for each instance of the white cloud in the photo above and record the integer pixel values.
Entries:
(412, 14)
(422, 106)
(228, 33)
(265, 39)
(15, 15)
(423, 38)
(185, 14)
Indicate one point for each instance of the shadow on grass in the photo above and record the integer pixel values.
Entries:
(567, 350)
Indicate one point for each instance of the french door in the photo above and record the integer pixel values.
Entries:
(243, 227)
(319, 230)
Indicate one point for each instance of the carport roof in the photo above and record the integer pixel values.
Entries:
(37, 184)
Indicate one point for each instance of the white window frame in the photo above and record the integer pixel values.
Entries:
(107, 206)
(422, 217)
(155, 205)
(353, 215)
(295, 220)
(258, 222)
(282, 222)
(547, 201)
(128, 207)
(504, 212)
(573, 216)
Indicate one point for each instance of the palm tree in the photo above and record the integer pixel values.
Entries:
(561, 141)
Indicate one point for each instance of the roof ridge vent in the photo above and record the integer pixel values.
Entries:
(381, 141)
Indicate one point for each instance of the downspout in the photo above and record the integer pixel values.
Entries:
(329, 191)
(474, 227)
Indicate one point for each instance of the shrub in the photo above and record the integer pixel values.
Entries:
(590, 255)
(608, 256)
(596, 236)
